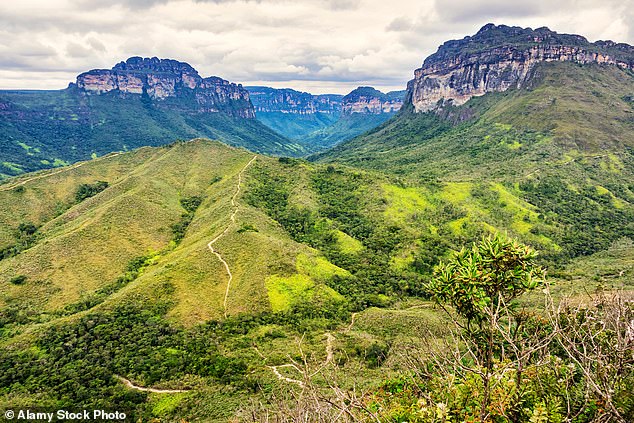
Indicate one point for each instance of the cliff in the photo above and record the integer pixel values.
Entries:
(169, 83)
(368, 100)
(286, 100)
(501, 57)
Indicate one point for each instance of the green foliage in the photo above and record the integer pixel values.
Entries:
(89, 190)
(490, 274)
(340, 210)
(25, 236)
(190, 204)
(18, 280)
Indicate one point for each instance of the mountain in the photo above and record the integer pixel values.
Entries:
(138, 102)
(321, 121)
(197, 281)
(367, 100)
(362, 110)
(292, 113)
(548, 116)
(500, 57)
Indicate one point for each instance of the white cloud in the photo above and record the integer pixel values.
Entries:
(321, 45)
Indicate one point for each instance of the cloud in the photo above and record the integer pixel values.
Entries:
(315, 44)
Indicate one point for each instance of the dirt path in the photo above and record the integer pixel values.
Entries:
(64, 169)
(284, 378)
(329, 348)
(330, 355)
(131, 385)
(232, 218)
(352, 319)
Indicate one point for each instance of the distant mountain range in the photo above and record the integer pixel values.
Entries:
(152, 101)
(320, 121)
(138, 102)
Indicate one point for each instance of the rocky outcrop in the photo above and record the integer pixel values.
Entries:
(169, 83)
(368, 100)
(500, 57)
(286, 100)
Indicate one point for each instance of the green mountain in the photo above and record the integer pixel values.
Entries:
(139, 102)
(201, 282)
(560, 137)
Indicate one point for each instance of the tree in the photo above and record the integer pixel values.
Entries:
(480, 283)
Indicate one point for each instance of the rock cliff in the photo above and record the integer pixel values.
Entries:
(368, 100)
(501, 57)
(169, 83)
(286, 100)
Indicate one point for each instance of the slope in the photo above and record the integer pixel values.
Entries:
(117, 282)
(564, 144)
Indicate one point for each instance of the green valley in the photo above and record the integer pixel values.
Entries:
(469, 257)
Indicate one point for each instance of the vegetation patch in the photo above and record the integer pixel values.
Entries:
(190, 204)
(89, 190)
(285, 291)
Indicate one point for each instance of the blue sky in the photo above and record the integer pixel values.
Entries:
(312, 45)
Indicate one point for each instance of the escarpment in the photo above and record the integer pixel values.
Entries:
(368, 100)
(500, 57)
(170, 83)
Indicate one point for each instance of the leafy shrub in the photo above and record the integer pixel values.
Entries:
(89, 190)
(18, 280)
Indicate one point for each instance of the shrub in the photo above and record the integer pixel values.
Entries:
(18, 280)
(89, 190)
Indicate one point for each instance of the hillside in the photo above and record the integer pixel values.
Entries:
(309, 245)
(139, 102)
(562, 141)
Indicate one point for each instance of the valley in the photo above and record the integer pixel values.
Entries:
(293, 260)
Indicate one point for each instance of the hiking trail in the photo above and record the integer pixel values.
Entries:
(232, 219)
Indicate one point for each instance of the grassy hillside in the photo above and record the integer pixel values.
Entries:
(106, 272)
(44, 129)
(565, 145)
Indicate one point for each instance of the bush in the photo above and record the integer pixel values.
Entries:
(18, 280)
(89, 190)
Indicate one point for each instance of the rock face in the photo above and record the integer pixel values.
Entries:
(286, 100)
(367, 100)
(500, 57)
(169, 83)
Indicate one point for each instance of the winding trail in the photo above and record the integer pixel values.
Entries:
(62, 170)
(329, 358)
(232, 218)
(131, 385)
(352, 320)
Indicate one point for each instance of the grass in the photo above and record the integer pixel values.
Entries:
(347, 244)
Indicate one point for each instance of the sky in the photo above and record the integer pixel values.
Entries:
(320, 46)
